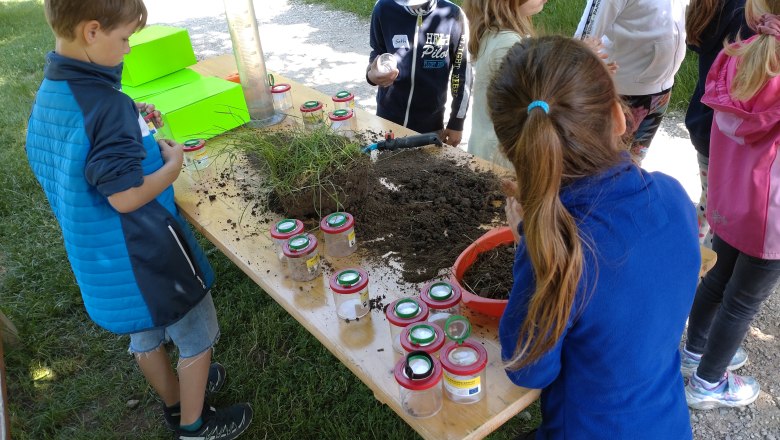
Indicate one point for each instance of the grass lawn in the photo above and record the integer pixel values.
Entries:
(68, 379)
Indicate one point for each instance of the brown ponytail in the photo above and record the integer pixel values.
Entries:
(698, 16)
(550, 150)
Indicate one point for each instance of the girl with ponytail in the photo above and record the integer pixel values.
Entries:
(607, 259)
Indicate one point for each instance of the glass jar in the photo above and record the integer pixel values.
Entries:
(419, 380)
(343, 122)
(282, 97)
(343, 99)
(423, 336)
(313, 115)
(282, 231)
(350, 293)
(402, 312)
(303, 258)
(196, 156)
(338, 229)
(464, 371)
(443, 300)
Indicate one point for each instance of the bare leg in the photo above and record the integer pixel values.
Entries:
(193, 376)
(156, 366)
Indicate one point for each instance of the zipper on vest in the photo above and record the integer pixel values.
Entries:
(186, 256)
(414, 68)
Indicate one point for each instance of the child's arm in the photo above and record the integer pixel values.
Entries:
(460, 82)
(598, 16)
(378, 47)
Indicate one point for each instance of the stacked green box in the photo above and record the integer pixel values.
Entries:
(156, 51)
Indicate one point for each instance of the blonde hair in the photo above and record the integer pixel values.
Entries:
(486, 15)
(759, 59)
(64, 15)
(548, 151)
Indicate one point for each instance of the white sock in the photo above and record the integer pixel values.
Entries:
(708, 385)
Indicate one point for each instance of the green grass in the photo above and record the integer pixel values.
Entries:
(68, 379)
(557, 17)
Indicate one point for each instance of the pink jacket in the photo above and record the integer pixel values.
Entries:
(743, 206)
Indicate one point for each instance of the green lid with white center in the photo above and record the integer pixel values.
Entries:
(441, 291)
(348, 278)
(299, 242)
(407, 308)
(457, 328)
(311, 104)
(343, 94)
(286, 225)
(422, 334)
(336, 219)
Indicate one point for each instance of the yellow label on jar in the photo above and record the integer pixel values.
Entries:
(201, 154)
(351, 238)
(462, 387)
(313, 262)
(364, 297)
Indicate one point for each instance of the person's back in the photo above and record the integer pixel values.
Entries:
(607, 260)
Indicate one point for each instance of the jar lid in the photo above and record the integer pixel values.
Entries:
(466, 359)
(422, 334)
(280, 88)
(418, 371)
(341, 114)
(440, 295)
(406, 308)
(349, 281)
(299, 245)
(193, 144)
(342, 96)
(286, 228)
(311, 106)
(299, 242)
(425, 336)
(337, 223)
(147, 116)
(457, 328)
(405, 311)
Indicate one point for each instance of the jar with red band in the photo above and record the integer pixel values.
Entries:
(282, 97)
(303, 258)
(312, 113)
(282, 231)
(401, 313)
(343, 100)
(343, 122)
(464, 371)
(419, 380)
(423, 336)
(443, 300)
(196, 156)
(350, 293)
(338, 230)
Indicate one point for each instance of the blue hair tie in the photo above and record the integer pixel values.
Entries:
(541, 104)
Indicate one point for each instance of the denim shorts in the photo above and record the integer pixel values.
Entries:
(193, 334)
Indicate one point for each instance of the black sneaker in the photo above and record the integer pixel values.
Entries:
(217, 377)
(224, 424)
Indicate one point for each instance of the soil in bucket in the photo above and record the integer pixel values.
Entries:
(491, 274)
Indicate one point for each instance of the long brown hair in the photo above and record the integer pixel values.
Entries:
(698, 16)
(760, 58)
(486, 15)
(550, 150)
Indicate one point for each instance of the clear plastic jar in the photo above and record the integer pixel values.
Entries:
(402, 312)
(196, 157)
(338, 229)
(282, 231)
(464, 371)
(313, 115)
(303, 258)
(343, 99)
(350, 293)
(419, 380)
(282, 97)
(443, 300)
(151, 122)
(343, 121)
(423, 336)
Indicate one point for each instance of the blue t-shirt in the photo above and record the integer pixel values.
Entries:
(615, 372)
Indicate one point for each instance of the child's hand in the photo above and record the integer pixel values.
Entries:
(381, 78)
(451, 137)
(171, 151)
(149, 109)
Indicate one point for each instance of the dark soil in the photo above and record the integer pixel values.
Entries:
(491, 274)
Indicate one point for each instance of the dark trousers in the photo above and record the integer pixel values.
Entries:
(726, 302)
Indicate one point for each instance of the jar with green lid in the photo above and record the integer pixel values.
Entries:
(464, 371)
(418, 376)
(282, 231)
(423, 336)
(343, 122)
(338, 230)
(344, 99)
(443, 300)
(195, 155)
(313, 115)
(350, 293)
(303, 258)
(402, 312)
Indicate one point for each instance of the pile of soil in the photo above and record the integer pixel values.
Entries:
(490, 276)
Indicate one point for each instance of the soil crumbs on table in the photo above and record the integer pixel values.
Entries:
(491, 274)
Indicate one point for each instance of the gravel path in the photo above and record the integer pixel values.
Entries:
(328, 50)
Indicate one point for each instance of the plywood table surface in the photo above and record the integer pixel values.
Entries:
(364, 346)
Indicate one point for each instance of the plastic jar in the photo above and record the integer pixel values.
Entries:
(303, 258)
(196, 156)
(350, 292)
(151, 123)
(338, 229)
(343, 99)
(282, 231)
(443, 300)
(312, 113)
(464, 371)
(402, 312)
(419, 379)
(423, 336)
(343, 121)
(282, 97)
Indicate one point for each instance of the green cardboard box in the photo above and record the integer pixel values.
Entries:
(201, 109)
(156, 51)
(146, 91)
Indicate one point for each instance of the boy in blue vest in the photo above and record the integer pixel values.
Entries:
(426, 41)
(138, 266)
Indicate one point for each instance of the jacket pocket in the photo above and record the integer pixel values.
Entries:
(188, 257)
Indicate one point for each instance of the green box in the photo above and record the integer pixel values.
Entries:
(146, 91)
(201, 109)
(156, 51)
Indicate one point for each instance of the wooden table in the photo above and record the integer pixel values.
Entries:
(364, 346)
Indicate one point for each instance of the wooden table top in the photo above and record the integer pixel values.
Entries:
(365, 346)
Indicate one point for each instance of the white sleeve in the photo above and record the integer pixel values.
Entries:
(599, 15)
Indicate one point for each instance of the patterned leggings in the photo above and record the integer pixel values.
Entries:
(647, 111)
(705, 234)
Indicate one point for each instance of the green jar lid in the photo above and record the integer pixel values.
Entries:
(418, 366)
(341, 112)
(348, 278)
(457, 328)
(343, 94)
(422, 334)
(336, 219)
(286, 225)
(311, 104)
(299, 242)
(407, 308)
(441, 291)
